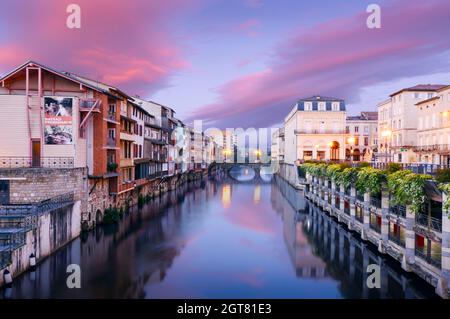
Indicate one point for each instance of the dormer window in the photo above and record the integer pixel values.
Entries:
(308, 106)
(322, 106)
(335, 106)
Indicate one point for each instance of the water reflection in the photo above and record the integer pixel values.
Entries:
(220, 239)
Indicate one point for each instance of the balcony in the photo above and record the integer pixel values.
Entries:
(435, 261)
(126, 162)
(398, 210)
(111, 143)
(43, 162)
(325, 131)
(375, 202)
(126, 136)
(439, 148)
(396, 239)
(112, 117)
(428, 222)
(90, 105)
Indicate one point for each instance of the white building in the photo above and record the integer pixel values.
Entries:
(277, 147)
(362, 140)
(315, 130)
(433, 129)
(397, 127)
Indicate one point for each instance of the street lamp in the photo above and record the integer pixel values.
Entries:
(386, 134)
(258, 153)
(351, 141)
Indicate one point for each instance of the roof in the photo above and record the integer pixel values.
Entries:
(320, 98)
(422, 87)
(428, 100)
(300, 106)
(65, 75)
(364, 116)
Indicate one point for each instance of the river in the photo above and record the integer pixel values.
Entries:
(220, 239)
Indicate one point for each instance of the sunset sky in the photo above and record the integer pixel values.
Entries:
(236, 62)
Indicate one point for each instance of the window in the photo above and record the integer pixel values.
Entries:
(417, 95)
(112, 133)
(366, 129)
(322, 106)
(308, 106)
(430, 95)
(366, 141)
(356, 129)
(335, 106)
(347, 129)
(112, 108)
(399, 123)
(356, 141)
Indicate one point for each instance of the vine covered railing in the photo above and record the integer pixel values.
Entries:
(405, 187)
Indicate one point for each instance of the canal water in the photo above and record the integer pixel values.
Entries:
(220, 238)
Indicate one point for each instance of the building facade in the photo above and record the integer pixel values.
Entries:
(362, 137)
(315, 130)
(433, 129)
(397, 129)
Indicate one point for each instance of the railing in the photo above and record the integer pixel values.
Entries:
(45, 162)
(359, 214)
(376, 202)
(432, 261)
(375, 227)
(360, 197)
(347, 191)
(396, 239)
(37, 208)
(111, 142)
(429, 222)
(434, 147)
(414, 167)
(347, 211)
(399, 210)
(315, 131)
(112, 116)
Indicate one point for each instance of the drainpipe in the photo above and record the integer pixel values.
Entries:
(410, 240)
(384, 220)
(443, 287)
(366, 219)
(351, 223)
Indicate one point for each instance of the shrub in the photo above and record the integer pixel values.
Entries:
(408, 188)
(363, 164)
(393, 167)
(370, 180)
(111, 216)
(443, 175)
(348, 176)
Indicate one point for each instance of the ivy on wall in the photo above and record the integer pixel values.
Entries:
(405, 187)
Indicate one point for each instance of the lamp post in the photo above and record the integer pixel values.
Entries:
(258, 154)
(386, 134)
(351, 141)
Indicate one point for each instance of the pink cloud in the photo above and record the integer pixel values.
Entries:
(125, 44)
(248, 27)
(337, 58)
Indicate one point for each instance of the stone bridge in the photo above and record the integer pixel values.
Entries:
(247, 168)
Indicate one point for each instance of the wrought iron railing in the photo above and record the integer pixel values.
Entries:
(431, 260)
(396, 239)
(429, 222)
(29, 162)
(347, 211)
(375, 227)
(399, 210)
(376, 202)
(360, 197)
(37, 208)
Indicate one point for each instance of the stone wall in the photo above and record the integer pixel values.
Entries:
(53, 230)
(32, 185)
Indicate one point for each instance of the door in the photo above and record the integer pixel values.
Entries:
(4, 192)
(36, 151)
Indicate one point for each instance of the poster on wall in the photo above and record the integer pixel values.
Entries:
(58, 120)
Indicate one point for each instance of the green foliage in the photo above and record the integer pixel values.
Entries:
(370, 180)
(408, 188)
(393, 167)
(364, 164)
(445, 188)
(111, 216)
(317, 169)
(443, 175)
(347, 177)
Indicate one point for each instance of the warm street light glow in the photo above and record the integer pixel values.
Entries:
(386, 133)
(351, 140)
(258, 152)
(330, 144)
(227, 151)
(316, 146)
(445, 113)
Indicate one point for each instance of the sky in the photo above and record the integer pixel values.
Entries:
(236, 63)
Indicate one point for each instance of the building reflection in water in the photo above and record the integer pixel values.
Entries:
(185, 244)
(226, 195)
(321, 247)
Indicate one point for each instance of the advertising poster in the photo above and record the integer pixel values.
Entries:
(58, 120)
